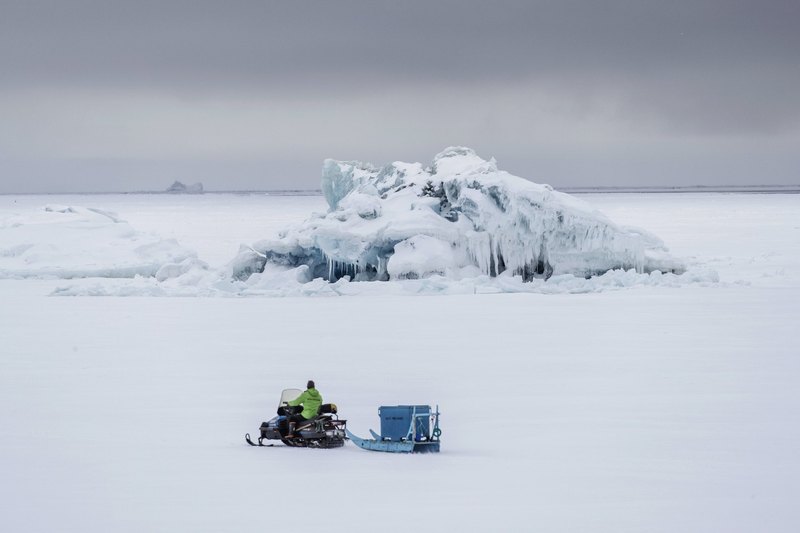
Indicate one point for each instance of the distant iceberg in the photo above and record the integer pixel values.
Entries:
(459, 218)
(180, 188)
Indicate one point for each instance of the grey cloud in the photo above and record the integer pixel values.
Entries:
(180, 42)
(544, 85)
(336, 47)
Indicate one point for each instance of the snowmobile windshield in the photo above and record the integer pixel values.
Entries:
(288, 395)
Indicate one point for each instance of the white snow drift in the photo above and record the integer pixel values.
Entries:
(59, 241)
(459, 218)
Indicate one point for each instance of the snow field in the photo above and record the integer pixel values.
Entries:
(646, 409)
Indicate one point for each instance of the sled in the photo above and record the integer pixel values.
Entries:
(404, 429)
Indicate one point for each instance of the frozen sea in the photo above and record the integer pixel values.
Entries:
(650, 408)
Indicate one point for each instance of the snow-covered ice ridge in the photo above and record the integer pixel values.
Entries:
(459, 218)
(68, 242)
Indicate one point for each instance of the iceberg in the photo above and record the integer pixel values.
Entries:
(461, 217)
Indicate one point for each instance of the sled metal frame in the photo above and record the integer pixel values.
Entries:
(407, 444)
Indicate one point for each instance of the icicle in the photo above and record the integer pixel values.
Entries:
(493, 246)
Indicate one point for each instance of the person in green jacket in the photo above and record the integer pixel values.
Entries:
(311, 400)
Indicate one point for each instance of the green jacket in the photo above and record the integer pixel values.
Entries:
(311, 400)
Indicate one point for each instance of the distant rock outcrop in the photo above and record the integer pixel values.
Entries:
(180, 188)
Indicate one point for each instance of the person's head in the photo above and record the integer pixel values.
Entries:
(310, 384)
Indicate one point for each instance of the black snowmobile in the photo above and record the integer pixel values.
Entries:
(323, 431)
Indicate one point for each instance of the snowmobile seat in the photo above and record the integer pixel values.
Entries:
(328, 408)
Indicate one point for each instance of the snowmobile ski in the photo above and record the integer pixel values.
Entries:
(251, 443)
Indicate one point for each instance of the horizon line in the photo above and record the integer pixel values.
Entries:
(575, 189)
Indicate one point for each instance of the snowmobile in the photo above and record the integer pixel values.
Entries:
(323, 431)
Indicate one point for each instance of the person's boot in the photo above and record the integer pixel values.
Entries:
(291, 430)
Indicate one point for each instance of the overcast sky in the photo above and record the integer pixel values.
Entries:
(131, 95)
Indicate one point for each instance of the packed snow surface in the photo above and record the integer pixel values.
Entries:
(655, 409)
(459, 218)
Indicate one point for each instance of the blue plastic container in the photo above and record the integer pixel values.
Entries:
(396, 421)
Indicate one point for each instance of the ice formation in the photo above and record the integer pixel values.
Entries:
(59, 241)
(459, 218)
